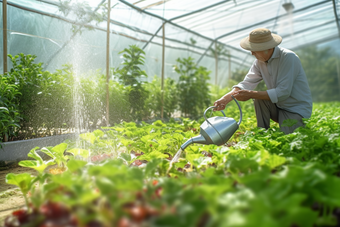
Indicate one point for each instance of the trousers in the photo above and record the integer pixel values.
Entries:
(266, 110)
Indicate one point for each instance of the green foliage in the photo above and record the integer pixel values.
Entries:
(193, 87)
(38, 164)
(320, 66)
(28, 75)
(130, 74)
(23, 180)
(170, 97)
(9, 108)
(219, 50)
(57, 154)
(56, 101)
(120, 105)
(266, 178)
(84, 13)
(44, 96)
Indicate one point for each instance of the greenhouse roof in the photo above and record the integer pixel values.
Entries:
(301, 23)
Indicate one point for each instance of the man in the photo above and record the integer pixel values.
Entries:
(288, 95)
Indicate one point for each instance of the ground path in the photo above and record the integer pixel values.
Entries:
(10, 196)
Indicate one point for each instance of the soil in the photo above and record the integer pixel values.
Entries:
(10, 196)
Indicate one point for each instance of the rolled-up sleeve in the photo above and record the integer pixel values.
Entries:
(288, 69)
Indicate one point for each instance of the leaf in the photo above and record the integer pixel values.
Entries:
(275, 161)
(22, 180)
(60, 148)
(57, 153)
(201, 161)
(98, 133)
(74, 165)
(34, 164)
(4, 109)
(153, 155)
(151, 167)
(191, 157)
(78, 151)
(125, 156)
(90, 137)
(34, 154)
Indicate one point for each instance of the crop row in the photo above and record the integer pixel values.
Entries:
(120, 176)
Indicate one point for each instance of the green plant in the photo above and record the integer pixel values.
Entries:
(193, 87)
(9, 108)
(84, 14)
(30, 80)
(38, 164)
(23, 180)
(130, 74)
(54, 101)
(120, 106)
(321, 61)
(266, 178)
(170, 97)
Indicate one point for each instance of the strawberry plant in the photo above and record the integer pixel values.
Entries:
(262, 178)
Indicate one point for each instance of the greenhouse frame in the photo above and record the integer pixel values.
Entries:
(190, 28)
(149, 113)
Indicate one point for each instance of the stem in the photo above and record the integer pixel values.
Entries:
(26, 202)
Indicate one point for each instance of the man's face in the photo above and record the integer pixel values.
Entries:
(262, 55)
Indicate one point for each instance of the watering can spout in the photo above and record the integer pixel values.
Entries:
(197, 139)
(215, 130)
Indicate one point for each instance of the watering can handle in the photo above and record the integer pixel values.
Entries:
(211, 107)
(223, 111)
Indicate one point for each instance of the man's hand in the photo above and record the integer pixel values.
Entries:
(222, 102)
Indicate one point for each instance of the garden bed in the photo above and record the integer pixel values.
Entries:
(15, 151)
(120, 176)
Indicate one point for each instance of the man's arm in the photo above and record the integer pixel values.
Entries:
(244, 95)
(249, 83)
(222, 102)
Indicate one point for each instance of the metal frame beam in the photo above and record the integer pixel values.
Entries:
(4, 34)
(271, 19)
(175, 18)
(74, 34)
(155, 4)
(336, 17)
(257, 24)
(108, 62)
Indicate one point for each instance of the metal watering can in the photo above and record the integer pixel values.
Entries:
(215, 130)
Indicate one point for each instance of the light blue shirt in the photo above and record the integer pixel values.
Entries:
(285, 79)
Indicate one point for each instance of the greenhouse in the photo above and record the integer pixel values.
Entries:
(133, 113)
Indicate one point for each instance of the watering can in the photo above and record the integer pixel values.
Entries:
(215, 130)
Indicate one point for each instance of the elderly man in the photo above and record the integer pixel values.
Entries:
(288, 95)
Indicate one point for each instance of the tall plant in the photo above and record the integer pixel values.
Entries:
(28, 76)
(130, 74)
(9, 109)
(170, 97)
(46, 99)
(322, 61)
(193, 87)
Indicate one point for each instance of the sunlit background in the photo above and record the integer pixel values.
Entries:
(51, 28)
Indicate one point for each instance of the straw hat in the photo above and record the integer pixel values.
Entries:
(260, 39)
